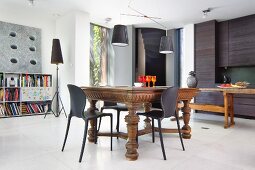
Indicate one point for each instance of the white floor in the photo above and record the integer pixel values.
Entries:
(34, 143)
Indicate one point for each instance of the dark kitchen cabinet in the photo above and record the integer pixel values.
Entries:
(205, 49)
(222, 45)
(244, 105)
(242, 41)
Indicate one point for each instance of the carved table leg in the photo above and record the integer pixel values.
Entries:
(186, 117)
(92, 107)
(132, 121)
(226, 104)
(147, 121)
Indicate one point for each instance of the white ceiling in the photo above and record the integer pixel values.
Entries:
(174, 13)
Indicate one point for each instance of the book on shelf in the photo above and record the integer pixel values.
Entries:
(31, 108)
(2, 110)
(36, 81)
(12, 94)
(1, 94)
(12, 109)
(1, 80)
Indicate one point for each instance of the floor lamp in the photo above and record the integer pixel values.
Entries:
(56, 58)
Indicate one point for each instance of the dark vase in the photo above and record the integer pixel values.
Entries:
(192, 80)
(226, 79)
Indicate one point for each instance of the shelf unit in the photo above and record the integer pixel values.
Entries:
(23, 94)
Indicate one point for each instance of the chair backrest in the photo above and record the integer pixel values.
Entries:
(77, 100)
(109, 103)
(169, 101)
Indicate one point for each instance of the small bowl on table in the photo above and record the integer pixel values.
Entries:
(138, 84)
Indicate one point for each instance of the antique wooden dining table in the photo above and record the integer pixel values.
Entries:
(134, 98)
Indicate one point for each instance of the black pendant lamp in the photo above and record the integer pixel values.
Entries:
(166, 45)
(120, 36)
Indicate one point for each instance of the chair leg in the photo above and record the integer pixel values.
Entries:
(84, 140)
(111, 131)
(95, 130)
(161, 139)
(67, 130)
(178, 125)
(118, 122)
(99, 124)
(153, 130)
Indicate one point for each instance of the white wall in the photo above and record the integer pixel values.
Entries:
(65, 31)
(82, 49)
(73, 30)
(46, 25)
(124, 62)
(188, 53)
(170, 61)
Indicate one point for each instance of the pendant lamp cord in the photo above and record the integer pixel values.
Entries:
(145, 16)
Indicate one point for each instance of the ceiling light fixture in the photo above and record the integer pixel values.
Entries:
(108, 19)
(120, 35)
(205, 12)
(166, 45)
(31, 2)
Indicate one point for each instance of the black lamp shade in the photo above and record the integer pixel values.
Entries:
(166, 45)
(120, 35)
(56, 53)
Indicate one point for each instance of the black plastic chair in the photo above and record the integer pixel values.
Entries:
(114, 106)
(169, 105)
(78, 103)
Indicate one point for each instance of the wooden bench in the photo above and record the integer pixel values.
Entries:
(207, 107)
(210, 108)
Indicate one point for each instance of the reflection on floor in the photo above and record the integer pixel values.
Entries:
(34, 143)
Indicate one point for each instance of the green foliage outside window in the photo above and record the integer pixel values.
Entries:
(95, 64)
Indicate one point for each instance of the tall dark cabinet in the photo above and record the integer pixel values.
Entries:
(205, 49)
(205, 52)
(222, 45)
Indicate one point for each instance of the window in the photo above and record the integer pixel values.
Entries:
(99, 44)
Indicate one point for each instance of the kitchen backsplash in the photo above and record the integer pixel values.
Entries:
(236, 74)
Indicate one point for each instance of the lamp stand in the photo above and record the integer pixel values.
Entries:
(58, 98)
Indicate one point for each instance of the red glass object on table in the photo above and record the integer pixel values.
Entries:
(153, 79)
(148, 80)
(144, 81)
(140, 79)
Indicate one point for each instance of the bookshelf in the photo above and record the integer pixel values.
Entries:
(23, 94)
